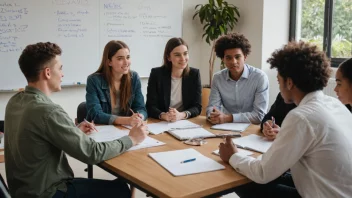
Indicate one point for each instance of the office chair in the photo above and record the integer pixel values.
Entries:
(4, 191)
(81, 114)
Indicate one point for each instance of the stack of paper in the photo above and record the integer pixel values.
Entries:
(253, 142)
(231, 126)
(186, 134)
(110, 133)
(172, 161)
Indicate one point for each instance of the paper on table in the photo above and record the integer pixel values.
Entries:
(109, 133)
(160, 127)
(171, 161)
(240, 151)
(182, 124)
(253, 142)
(186, 134)
(231, 126)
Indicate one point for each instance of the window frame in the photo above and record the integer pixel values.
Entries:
(327, 42)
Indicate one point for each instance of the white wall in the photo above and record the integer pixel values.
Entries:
(265, 23)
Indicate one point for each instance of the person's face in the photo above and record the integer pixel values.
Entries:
(343, 88)
(54, 74)
(120, 62)
(285, 91)
(234, 60)
(179, 57)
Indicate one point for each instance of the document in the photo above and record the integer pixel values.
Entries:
(110, 133)
(186, 134)
(185, 162)
(160, 127)
(239, 127)
(240, 151)
(253, 142)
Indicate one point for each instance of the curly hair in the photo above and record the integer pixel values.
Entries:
(34, 57)
(304, 63)
(346, 69)
(231, 41)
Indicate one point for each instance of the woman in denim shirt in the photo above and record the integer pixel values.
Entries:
(114, 93)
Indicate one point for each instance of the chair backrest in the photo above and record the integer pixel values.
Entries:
(81, 112)
(4, 191)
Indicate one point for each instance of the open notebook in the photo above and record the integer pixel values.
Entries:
(186, 134)
(253, 142)
(110, 133)
(239, 127)
(171, 161)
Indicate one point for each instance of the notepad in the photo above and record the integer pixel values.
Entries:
(239, 127)
(110, 133)
(186, 134)
(253, 142)
(240, 151)
(171, 161)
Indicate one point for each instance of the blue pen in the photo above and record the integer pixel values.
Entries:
(189, 160)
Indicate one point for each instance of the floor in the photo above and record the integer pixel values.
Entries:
(78, 169)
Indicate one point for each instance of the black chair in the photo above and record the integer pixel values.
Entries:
(4, 191)
(81, 114)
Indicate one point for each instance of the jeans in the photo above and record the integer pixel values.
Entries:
(280, 187)
(89, 188)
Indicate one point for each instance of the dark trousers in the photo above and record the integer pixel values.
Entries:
(280, 187)
(89, 188)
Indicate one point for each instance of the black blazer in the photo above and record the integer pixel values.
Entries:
(159, 91)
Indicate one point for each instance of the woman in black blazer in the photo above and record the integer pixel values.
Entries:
(174, 89)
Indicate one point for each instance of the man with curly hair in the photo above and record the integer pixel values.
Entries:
(39, 133)
(315, 140)
(241, 89)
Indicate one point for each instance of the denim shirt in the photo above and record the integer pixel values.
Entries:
(99, 102)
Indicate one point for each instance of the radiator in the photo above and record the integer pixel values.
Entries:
(329, 89)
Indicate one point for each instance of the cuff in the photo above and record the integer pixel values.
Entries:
(235, 159)
(112, 119)
(188, 114)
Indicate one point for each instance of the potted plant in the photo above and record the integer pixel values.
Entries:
(218, 18)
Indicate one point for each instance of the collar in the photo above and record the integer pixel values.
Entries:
(245, 73)
(310, 96)
(36, 91)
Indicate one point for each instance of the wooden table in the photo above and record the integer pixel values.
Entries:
(143, 172)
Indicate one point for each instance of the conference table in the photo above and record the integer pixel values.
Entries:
(141, 171)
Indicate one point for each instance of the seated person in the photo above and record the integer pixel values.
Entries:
(241, 89)
(174, 89)
(314, 140)
(114, 94)
(277, 112)
(343, 87)
(39, 134)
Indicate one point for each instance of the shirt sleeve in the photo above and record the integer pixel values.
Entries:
(260, 104)
(63, 134)
(295, 138)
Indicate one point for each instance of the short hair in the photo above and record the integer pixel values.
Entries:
(171, 45)
(346, 69)
(307, 66)
(231, 41)
(35, 56)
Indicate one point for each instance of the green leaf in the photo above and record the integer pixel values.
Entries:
(197, 6)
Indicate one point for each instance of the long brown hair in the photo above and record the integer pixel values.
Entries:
(171, 45)
(110, 50)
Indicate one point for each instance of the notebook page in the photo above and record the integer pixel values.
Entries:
(231, 126)
(253, 142)
(185, 134)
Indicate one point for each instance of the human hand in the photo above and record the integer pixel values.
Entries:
(138, 133)
(227, 149)
(218, 117)
(270, 130)
(87, 127)
(176, 115)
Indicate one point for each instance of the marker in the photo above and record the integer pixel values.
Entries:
(189, 160)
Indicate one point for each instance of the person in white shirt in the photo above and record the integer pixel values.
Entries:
(315, 139)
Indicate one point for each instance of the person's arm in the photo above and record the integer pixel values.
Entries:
(63, 134)
(94, 109)
(152, 97)
(260, 104)
(272, 112)
(196, 103)
(294, 139)
(215, 97)
(138, 104)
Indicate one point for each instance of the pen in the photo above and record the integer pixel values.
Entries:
(90, 123)
(189, 160)
(273, 121)
(193, 127)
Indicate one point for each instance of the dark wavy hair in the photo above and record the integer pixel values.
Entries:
(346, 69)
(307, 66)
(34, 57)
(231, 41)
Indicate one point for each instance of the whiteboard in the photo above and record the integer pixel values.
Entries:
(82, 28)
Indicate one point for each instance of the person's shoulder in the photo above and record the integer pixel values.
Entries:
(221, 73)
(193, 71)
(257, 74)
(96, 77)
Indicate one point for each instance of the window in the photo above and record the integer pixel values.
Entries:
(326, 23)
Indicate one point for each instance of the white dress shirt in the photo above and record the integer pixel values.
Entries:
(315, 142)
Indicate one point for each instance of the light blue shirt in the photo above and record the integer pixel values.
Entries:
(246, 99)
